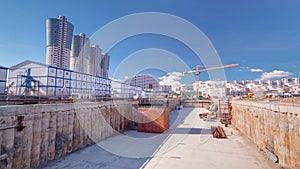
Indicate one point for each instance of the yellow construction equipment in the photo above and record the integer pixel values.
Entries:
(197, 71)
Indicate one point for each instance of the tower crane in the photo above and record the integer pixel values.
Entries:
(197, 72)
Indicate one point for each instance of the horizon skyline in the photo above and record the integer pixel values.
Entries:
(251, 66)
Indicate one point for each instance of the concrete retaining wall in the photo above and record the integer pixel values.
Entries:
(172, 103)
(52, 131)
(272, 126)
(197, 104)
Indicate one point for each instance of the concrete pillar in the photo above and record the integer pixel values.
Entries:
(123, 121)
(97, 130)
(81, 125)
(70, 130)
(7, 142)
(294, 132)
(52, 135)
(111, 121)
(45, 137)
(59, 135)
(102, 125)
(88, 129)
(18, 143)
(284, 145)
(93, 125)
(76, 131)
(36, 140)
(27, 140)
(65, 132)
(84, 127)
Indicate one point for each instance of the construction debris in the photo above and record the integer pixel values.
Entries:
(218, 132)
(153, 120)
(203, 115)
(226, 116)
(271, 155)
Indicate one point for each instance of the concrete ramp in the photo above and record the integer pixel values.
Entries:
(187, 144)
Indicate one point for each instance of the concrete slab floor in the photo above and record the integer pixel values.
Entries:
(188, 144)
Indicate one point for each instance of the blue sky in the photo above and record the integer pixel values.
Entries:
(257, 35)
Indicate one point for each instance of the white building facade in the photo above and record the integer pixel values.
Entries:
(122, 90)
(145, 81)
(3, 77)
(52, 81)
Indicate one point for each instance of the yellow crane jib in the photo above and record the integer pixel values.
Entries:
(197, 71)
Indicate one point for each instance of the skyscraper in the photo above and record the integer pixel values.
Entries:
(59, 34)
(104, 64)
(95, 57)
(79, 53)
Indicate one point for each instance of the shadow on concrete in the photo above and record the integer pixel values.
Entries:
(95, 157)
(195, 131)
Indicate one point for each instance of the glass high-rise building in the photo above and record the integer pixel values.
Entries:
(104, 64)
(98, 62)
(59, 34)
(95, 57)
(79, 53)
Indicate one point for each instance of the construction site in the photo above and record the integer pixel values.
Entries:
(67, 119)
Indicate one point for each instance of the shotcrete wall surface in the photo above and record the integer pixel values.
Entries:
(271, 126)
(54, 130)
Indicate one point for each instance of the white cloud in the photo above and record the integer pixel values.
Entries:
(172, 79)
(246, 69)
(243, 68)
(256, 70)
(275, 74)
(116, 80)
